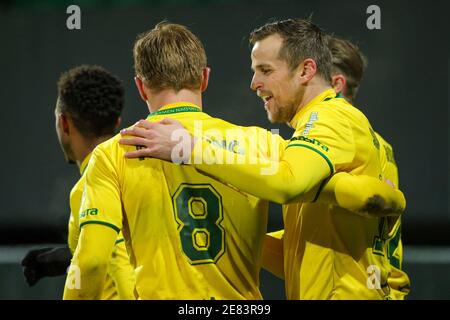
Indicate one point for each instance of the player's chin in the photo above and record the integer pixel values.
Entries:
(273, 117)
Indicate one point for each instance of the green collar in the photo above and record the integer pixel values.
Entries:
(339, 95)
(175, 110)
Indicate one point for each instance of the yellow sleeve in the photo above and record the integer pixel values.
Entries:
(87, 271)
(364, 195)
(75, 202)
(101, 202)
(72, 235)
(299, 171)
(306, 162)
(272, 256)
(100, 221)
(247, 142)
(263, 143)
(374, 198)
(121, 271)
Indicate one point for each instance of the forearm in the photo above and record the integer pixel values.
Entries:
(122, 272)
(369, 196)
(272, 179)
(89, 265)
(85, 279)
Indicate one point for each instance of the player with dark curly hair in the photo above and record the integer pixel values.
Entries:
(88, 108)
(91, 100)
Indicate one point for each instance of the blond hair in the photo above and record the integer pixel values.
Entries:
(169, 57)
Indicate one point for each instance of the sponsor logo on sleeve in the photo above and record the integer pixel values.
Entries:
(89, 212)
(310, 140)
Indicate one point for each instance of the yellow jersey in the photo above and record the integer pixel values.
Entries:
(188, 235)
(329, 252)
(398, 280)
(119, 283)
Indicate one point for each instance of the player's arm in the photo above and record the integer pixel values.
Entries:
(157, 139)
(121, 272)
(307, 161)
(100, 222)
(272, 255)
(364, 195)
(278, 180)
(87, 273)
(299, 170)
(296, 173)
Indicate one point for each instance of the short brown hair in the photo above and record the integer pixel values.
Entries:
(349, 60)
(169, 57)
(301, 40)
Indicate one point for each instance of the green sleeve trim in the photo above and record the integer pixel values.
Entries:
(115, 228)
(315, 150)
(119, 241)
(320, 189)
(326, 159)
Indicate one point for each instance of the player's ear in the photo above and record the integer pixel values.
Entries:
(338, 83)
(140, 87)
(306, 70)
(63, 122)
(205, 79)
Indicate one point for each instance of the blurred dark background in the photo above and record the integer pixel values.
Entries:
(405, 94)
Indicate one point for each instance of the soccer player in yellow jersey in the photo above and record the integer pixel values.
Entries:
(189, 236)
(184, 231)
(348, 64)
(328, 252)
(89, 105)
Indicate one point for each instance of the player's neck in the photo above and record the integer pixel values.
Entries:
(85, 146)
(312, 90)
(158, 100)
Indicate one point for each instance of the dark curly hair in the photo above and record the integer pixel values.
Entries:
(93, 98)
